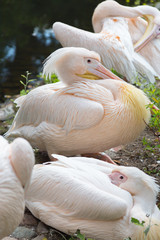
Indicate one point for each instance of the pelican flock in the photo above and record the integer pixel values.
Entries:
(16, 163)
(89, 111)
(112, 39)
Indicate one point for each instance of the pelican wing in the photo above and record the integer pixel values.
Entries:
(64, 109)
(55, 87)
(72, 194)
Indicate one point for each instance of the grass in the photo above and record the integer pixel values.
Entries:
(26, 83)
(153, 93)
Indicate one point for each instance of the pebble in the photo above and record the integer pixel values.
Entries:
(23, 232)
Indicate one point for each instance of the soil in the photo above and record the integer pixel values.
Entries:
(134, 154)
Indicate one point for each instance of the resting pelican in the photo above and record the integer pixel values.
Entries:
(144, 33)
(82, 115)
(112, 41)
(113, 9)
(96, 197)
(16, 163)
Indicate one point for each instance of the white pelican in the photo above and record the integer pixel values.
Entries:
(16, 163)
(80, 193)
(84, 116)
(112, 41)
(144, 34)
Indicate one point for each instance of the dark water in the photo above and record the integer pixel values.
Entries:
(26, 37)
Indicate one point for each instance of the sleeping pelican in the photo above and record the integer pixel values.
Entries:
(112, 41)
(144, 33)
(96, 197)
(113, 9)
(16, 163)
(83, 114)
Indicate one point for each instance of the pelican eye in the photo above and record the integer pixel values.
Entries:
(89, 60)
(121, 177)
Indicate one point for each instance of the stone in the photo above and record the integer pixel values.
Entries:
(23, 232)
(6, 112)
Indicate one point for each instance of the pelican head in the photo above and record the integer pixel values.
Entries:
(76, 64)
(113, 9)
(133, 180)
(144, 190)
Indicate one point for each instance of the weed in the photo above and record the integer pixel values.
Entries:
(27, 81)
(154, 171)
(118, 74)
(79, 236)
(152, 146)
(137, 222)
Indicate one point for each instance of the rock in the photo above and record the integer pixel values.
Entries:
(6, 112)
(23, 232)
(29, 220)
(42, 228)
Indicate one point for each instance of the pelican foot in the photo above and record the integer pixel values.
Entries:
(100, 155)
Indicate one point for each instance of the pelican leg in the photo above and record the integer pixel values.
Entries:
(100, 155)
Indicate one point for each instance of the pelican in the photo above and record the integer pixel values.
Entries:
(16, 163)
(113, 9)
(96, 197)
(144, 31)
(83, 113)
(112, 41)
